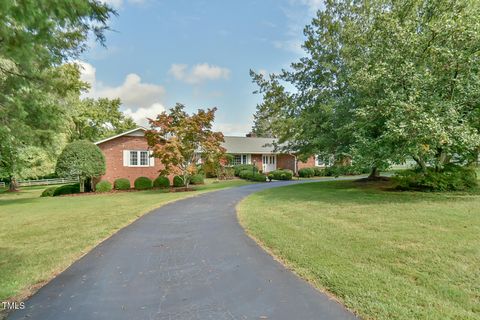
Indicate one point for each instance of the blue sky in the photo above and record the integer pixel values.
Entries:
(198, 53)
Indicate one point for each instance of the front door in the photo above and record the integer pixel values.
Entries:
(269, 162)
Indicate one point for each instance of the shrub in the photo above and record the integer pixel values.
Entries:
(48, 192)
(103, 186)
(319, 172)
(451, 178)
(335, 171)
(241, 167)
(306, 172)
(249, 175)
(67, 189)
(161, 182)
(143, 183)
(259, 177)
(226, 173)
(81, 159)
(282, 174)
(121, 184)
(178, 181)
(197, 179)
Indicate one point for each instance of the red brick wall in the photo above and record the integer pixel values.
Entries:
(113, 151)
(286, 161)
(258, 160)
(307, 164)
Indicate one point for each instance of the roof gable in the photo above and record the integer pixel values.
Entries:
(139, 131)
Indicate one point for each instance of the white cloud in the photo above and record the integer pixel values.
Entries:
(141, 115)
(198, 73)
(139, 99)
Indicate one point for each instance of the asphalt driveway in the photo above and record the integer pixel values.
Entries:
(186, 260)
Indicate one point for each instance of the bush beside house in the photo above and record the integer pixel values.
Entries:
(143, 183)
(103, 186)
(161, 182)
(121, 184)
(306, 172)
(244, 167)
(280, 174)
(197, 179)
(250, 175)
(178, 182)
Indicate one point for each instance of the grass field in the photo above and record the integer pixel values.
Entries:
(40, 237)
(384, 254)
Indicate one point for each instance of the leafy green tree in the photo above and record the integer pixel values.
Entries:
(97, 119)
(81, 159)
(178, 139)
(382, 81)
(33, 117)
(36, 37)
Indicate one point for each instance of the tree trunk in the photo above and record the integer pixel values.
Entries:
(421, 163)
(81, 180)
(374, 174)
(13, 185)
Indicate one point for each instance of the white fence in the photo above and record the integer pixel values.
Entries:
(2, 184)
(44, 182)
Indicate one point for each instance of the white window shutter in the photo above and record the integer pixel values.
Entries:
(152, 159)
(126, 158)
(249, 159)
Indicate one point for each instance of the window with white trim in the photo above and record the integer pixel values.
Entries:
(240, 159)
(321, 161)
(138, 158)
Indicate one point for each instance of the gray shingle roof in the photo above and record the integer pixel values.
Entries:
(248, 145)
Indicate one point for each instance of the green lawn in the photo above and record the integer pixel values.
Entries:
(384, 254)
(40, 237)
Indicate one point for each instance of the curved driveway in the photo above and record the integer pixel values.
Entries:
(186, 260)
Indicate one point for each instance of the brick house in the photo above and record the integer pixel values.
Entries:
(127, 155)
(260, 152)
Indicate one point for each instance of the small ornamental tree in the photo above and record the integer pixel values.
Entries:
(81, 159)
(178, 139)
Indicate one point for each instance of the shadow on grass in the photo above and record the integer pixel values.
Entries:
(353, 192)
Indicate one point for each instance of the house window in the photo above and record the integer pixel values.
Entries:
(143, 158)
(240, 159)
(139, 158)
(134, 158)
(322, 161)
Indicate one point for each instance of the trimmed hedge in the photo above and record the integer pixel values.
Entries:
(103, 186)
(281, 174)
(451, 178)
(319, 172)
(121, 184)
(197, 179)
(306, 172)
(48, 192)
(241, 167)
(178, 181)
(161, 182)
(249, 175)
(67, 189)
(143, 183)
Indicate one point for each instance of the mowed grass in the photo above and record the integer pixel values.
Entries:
(40, 237)
(384, 254)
